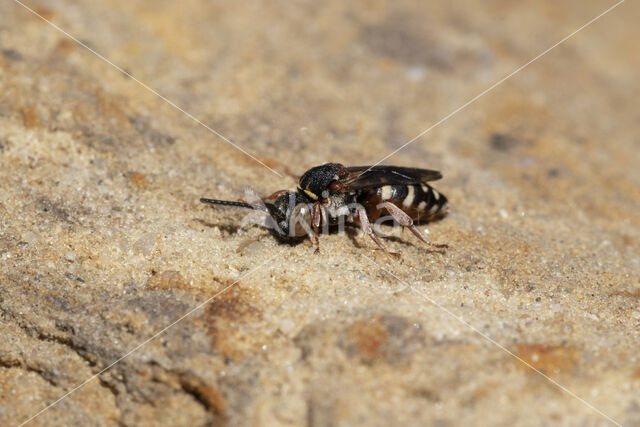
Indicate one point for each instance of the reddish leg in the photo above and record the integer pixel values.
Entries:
(406, 221)
(274, 195)
(270, 198)
(317, 215)
(366, 227)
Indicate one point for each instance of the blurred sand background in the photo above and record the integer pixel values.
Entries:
(103, 241)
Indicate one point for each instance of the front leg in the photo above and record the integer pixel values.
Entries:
(406, 221)
(317, 214)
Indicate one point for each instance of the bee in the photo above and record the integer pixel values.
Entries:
(333, 194)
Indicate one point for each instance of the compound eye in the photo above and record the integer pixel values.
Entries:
(300, 220)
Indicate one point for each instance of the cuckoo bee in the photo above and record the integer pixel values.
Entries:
(331, 194)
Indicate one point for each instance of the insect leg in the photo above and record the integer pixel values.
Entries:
(273, 196)
(406, 221)
(324, 220)
(317, 215)
(366, 227)
(269, 198)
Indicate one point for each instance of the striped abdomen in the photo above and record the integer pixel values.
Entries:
(418, 201)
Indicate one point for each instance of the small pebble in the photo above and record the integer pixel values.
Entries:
(70, 256)
(31, 237)
(287, 325)
(146, 244)
(416, 73)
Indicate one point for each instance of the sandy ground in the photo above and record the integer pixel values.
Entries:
(103, 242)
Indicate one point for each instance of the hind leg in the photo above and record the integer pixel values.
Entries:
(406, 221)
(366, 227)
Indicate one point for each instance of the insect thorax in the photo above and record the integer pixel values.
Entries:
(340, 205)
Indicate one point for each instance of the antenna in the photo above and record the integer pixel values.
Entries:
(236, 204)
